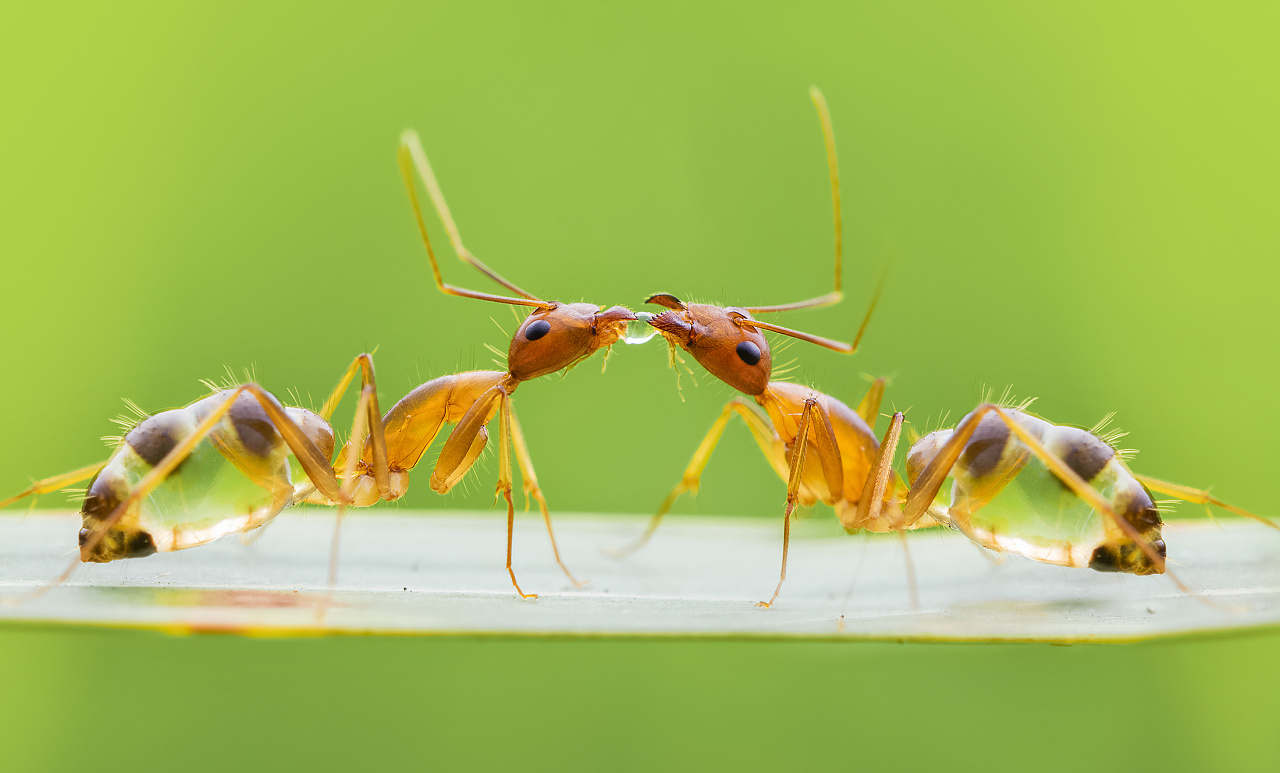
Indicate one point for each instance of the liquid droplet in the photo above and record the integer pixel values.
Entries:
(639, 330)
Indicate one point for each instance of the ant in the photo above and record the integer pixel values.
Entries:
(138, 500)
(789, 422)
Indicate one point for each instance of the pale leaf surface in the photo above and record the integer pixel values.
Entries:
(417, 573)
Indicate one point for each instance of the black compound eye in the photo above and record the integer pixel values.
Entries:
(537, 330)
(749, 352)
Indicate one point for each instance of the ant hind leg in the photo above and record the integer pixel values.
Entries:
(1200, 497)
(529, 480)
(56, 482)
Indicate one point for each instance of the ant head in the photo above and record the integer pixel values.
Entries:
(736, 354)
(559, 335)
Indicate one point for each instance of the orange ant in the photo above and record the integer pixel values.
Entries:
(788, 421)
(854, 475)
(139, 501)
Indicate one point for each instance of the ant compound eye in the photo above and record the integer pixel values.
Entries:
(749, 352)
(537, 330)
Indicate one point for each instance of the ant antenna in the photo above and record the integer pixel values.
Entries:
(837, 346)
(411, 155)
(829, 139)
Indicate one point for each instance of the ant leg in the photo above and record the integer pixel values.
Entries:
(765, 437)
(1199, 497)
(833, 169)
(871, 503)
(869, 408)
(359, 430)
(462, 449)
(504, 484)
(529, 481)
(374, 435)
(363, 364)
(926, 487)
(47, 485)
(466, 442)
(799, 448)
(312, 461)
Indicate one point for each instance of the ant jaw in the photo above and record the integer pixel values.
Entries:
(666, 299)
(672, 325)
(611, 327)
(615, 314)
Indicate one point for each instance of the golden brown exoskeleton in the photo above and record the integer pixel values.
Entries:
(254, 437)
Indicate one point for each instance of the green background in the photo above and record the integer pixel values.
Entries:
(1080, 202)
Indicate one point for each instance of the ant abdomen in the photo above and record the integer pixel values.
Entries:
(237, 478)
(1003, 495)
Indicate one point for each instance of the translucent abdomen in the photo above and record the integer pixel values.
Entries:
(235, 479)
(1003, 496)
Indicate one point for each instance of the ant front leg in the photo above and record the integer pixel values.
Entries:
(828, 454)
(504, 480)
(464, 446)
(765, 436)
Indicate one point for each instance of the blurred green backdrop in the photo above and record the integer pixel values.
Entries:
(1081, 203)
(1080, 198)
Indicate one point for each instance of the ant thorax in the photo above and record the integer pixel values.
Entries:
(999, 492)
